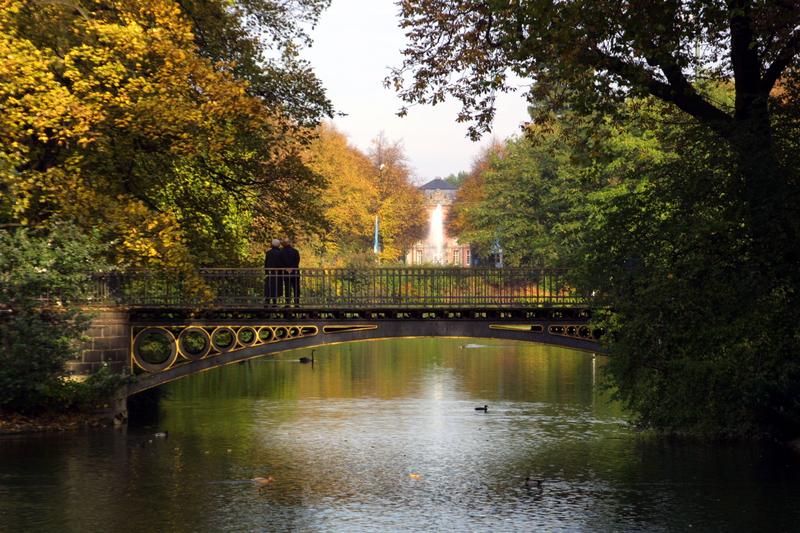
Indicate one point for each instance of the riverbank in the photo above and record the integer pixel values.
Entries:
(14, 424)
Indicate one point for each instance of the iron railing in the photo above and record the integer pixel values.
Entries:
(338, 288)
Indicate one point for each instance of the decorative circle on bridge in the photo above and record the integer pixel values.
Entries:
(155, 349)
(247, 336)
(281, 333)
(194, 343)
(294, 332)
(223, 339)
(265, 334)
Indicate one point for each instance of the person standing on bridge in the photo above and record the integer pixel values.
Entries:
(273, 274)
(291, 261)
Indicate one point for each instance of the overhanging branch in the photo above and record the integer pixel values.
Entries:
(678, 91)
(782, 60)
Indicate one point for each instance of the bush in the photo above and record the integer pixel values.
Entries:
(43, 275)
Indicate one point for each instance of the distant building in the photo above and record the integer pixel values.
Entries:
(439, 191)
(438, 248)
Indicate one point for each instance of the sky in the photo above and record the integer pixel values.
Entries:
(355, 44)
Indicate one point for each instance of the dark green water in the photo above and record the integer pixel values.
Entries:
(383, 436)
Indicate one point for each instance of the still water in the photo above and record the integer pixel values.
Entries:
(384, 436)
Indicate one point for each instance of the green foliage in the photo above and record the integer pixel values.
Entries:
(51, 262)
(521, 203)
(35, 346)
(154, 348)
(703, 339)
(457, 179)
(259, 39)
(589, 56)
(652, 214)
(38, 336)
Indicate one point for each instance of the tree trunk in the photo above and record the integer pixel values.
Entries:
(768, 193)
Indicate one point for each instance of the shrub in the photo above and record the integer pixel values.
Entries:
(43, 274)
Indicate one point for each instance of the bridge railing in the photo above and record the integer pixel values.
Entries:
(338, 288)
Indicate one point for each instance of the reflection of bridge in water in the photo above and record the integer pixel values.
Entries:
(165, 325)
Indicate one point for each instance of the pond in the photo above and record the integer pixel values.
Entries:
(384, 436)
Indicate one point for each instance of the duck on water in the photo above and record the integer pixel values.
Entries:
(305, 360)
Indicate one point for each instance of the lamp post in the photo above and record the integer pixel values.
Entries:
(376, 243)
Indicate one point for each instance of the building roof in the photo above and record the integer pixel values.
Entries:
(439, 185)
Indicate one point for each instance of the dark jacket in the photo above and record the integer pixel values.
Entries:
(274, 258)
(291, 257)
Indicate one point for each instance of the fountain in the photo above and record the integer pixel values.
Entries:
(435, 244)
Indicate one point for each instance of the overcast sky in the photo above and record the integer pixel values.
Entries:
(355, 43)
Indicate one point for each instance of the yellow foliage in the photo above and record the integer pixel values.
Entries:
(350, 197)
(359, 188)
(98, 106)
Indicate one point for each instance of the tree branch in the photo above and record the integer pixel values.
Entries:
(678, 91)
(73, 5)
(782, 60)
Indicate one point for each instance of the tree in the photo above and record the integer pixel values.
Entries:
(258, 40)
(522, 205)
(647, 211)
(457, 179)
(471, 194)
(350, 196)
(701, 342)
(400, 203)
(115, 117)
(358, 188)
(589, 54)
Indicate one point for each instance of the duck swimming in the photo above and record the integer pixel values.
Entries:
(533, 483)
(485, 408)
(305, 360)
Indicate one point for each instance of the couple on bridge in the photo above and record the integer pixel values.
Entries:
(281, 263)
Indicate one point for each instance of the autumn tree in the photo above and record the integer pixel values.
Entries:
(114, 116)
(401, 206)
(350, 195)
(360, 187)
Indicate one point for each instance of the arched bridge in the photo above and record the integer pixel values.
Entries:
(161, 326)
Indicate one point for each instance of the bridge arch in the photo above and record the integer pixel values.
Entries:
(263, 340)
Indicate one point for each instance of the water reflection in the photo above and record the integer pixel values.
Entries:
(383, 436)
